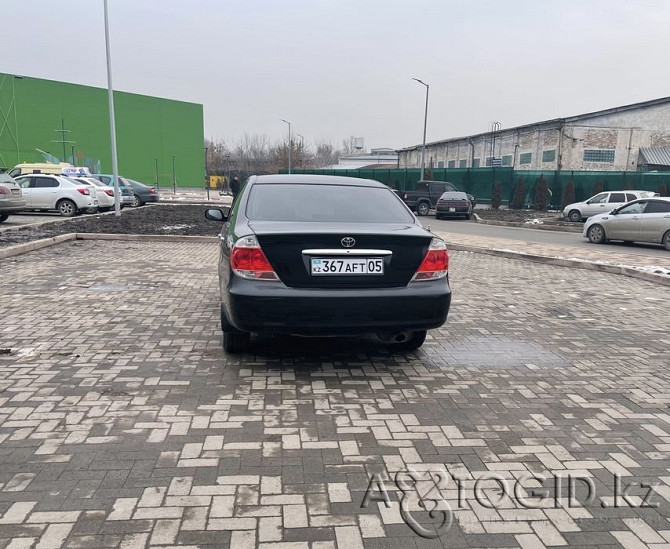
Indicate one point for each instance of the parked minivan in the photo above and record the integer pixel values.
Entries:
(39, 167)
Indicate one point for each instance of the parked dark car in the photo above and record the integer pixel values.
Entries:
(427, 193)
(307, 255)
(453, 204)
(142, 193)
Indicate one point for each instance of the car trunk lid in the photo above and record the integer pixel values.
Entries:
(290, 248)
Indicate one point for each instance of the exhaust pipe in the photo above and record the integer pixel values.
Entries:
(395, 337)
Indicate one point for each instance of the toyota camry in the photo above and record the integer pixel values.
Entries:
(327, 255)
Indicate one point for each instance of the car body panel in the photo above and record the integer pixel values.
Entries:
(11, 199)
(127, 194)
(146, 193)
(45, 191)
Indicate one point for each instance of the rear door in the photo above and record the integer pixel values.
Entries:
(655, 221)
(44, 192)
(616, 200)
(25, 183)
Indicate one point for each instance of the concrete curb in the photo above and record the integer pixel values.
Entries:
(556, 228)
(562, 262)
(19, 249)
(146, 237)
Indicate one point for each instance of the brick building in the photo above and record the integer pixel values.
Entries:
(614, 139)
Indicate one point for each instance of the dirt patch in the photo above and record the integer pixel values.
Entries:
(155, 219)
(527, 217)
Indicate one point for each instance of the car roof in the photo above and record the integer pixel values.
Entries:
(313, 179)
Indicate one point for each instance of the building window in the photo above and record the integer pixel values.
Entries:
(525, 158)
(489, 161)
(440, 164)
(507, 160)
(549, 156)
(463, 163)
(451, 165)
(475, 163)
(599, 155)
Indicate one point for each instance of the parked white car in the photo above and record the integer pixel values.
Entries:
(11, 199)
(645, 220)
(105, 193)
(602, 203)
(55, 192)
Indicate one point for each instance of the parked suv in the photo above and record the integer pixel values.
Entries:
(427, 193)
(54, 192)
(11, 197)
(602, 203)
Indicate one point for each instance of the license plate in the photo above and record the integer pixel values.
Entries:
(452, 209)
(348, 266)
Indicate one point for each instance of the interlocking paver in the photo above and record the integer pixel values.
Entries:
(123, 423)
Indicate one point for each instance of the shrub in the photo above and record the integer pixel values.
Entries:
(597, 188)
(427, 174)
(541, 194)
(519, 198)
(568, 194)
(662, 189)
(496, 197)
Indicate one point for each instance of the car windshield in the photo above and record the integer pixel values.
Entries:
(326, 203)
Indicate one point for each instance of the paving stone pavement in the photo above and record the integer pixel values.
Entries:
(123, 423)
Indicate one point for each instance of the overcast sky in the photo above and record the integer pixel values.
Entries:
(338, 68)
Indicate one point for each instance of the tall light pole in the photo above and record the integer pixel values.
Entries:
(112, 124)
(289, 143)
(302, 150)
(425, 123)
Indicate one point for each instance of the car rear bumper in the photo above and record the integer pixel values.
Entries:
(12, 205)
(457, 211)
(149, 197)
(273, 307)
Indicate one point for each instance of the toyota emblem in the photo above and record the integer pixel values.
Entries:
(348, 242)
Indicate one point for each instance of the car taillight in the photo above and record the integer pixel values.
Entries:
(152, 190)
(5, 190)
(248, 260)
(83, 191)
(109, 192)
(436, 263)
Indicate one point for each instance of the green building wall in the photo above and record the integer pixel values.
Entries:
(147, 128)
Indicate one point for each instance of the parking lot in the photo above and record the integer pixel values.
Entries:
(125, 425)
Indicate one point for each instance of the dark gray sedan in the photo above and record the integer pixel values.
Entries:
(142, 193)
(453, 204)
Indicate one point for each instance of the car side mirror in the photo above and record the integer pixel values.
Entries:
(216, 214)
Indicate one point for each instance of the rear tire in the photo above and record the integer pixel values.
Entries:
(137, 201)
(422, 208)
(575, 216)
(236, 342)
(414, 342)
(596, 234)
(4, 217)
(67, 208)
(467, 217)
(666, 241)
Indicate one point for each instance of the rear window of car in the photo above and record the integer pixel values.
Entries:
(453, 195)
(334, 203)
(4, 178)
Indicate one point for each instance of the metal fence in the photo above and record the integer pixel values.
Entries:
(481, 181)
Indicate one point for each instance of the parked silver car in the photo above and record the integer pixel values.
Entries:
(11, 197)
(602, 203)
(645, 220)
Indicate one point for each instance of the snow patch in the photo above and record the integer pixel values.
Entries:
(176, 227)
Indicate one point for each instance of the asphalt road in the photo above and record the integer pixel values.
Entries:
(536, 236)
(30, 219)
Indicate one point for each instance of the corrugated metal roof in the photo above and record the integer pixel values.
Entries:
(658, 156)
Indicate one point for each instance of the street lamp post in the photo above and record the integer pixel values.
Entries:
(425, 123)
(289, 143)
(206, 175)
(174, 177)
(112, 124)
(302, 150)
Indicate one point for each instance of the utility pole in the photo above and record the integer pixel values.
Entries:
(156, 174)
(290, 144)
(174, 177)
(62, 139)
(112, 122)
